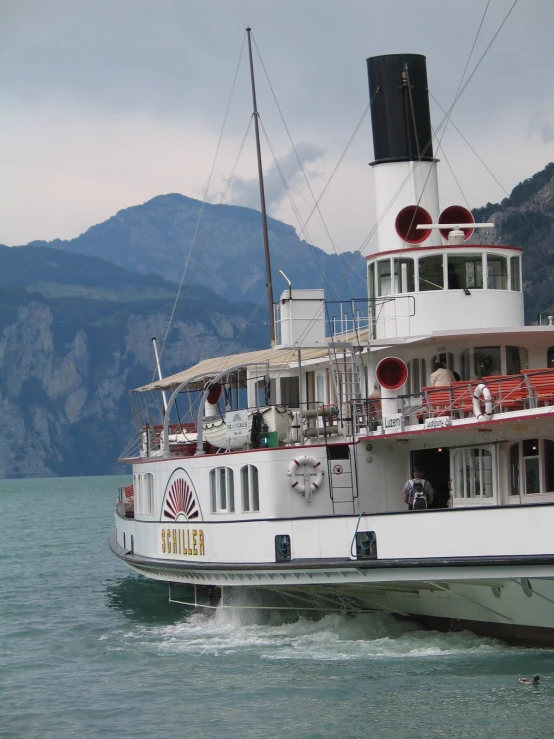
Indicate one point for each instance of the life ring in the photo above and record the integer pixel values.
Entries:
(310, 485)
(482, 392)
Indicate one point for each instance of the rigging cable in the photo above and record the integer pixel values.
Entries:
(316, 201)
(203, 202)
(500, 185)
(438, 129)
(446, 118)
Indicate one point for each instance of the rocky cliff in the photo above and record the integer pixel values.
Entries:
(526, 219)
(68, 363)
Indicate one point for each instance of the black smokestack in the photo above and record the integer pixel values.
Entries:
(400, 108)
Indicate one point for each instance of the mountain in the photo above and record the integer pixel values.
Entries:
(228, 253)
(75, 337)
(526, 219)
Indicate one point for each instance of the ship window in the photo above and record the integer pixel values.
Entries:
(487, 361)
(531, 466)
(514, 469)
(550, 356)
(472, 473)
(465, 272)
(213, 492)
(147, 502)
(431, 275)
(383, 277)
(445, 358)
(515, 274)
(371, 286)
(497, 272)
(320, 388)
(516, 359)
(290, 392)
(535, 458)
(371, 280)
(222, 490)
(417, 376)
(250, 488)
(404, 279)
(549, 465)
(265, 392)
(138, 493)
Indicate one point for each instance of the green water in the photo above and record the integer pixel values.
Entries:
(87, 649)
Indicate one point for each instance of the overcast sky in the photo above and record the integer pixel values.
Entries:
(106, 103)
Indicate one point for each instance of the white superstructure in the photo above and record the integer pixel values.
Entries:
(289, 477)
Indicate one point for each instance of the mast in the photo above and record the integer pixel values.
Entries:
(262, 198)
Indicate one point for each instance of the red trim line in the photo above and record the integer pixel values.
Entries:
(449, 429)
(461, 247)
(149, 460)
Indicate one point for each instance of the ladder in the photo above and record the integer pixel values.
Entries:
(344, 366)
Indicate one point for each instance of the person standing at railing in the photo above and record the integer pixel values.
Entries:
(441, 375)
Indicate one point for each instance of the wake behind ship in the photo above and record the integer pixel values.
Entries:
(288, 479)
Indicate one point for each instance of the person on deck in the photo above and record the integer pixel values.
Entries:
(441, 375)
(416, 488)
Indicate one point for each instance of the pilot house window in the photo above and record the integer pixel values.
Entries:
(404, 281)
(383, 277)
(465, 272)
(497, 272)
(431, 275)
(515, 273)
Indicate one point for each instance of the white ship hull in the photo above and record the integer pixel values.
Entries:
(441, 567)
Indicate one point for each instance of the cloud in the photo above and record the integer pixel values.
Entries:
(246, 191)
(541, 125)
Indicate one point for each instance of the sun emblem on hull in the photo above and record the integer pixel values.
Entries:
(181, 502)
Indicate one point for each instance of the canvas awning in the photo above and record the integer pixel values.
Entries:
(208, 368)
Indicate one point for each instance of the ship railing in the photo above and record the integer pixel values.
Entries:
(532, 388)
(358, 318)
(125, 504)
(300, 423)
(182, 439)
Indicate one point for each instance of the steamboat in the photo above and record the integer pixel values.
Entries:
(287, 482)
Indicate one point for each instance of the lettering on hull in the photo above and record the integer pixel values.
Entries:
(183, 541)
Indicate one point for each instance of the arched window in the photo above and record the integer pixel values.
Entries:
(250, 488)
(417, 376)
(139, 487)
(516, 359)
(487, 361)
(222, 490)
(148, 496)
(446, 358)
(431, 273)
